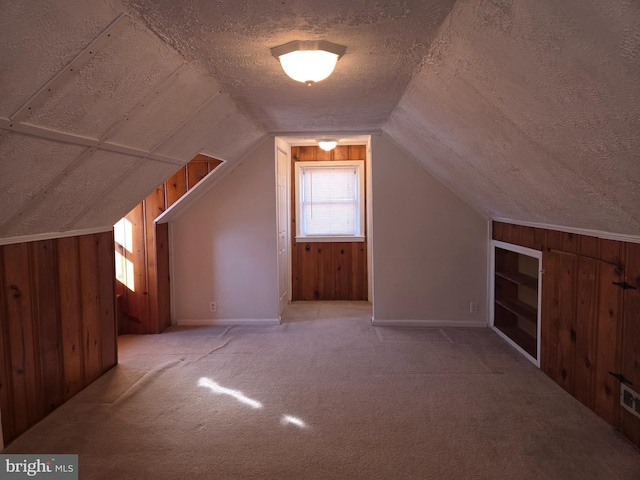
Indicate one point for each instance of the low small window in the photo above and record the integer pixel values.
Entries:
(330, 201)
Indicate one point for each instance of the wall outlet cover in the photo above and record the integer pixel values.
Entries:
(630, 400)
(473, 307)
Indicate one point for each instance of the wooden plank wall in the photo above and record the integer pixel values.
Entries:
(590, 326)
(326, 270)
(147, 309)
(630, 358)
(58, 328)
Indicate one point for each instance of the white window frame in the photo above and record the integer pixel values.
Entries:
(359, 169)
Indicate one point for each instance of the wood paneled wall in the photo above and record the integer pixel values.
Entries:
(147, 309)
(325, 270)
(590, 325)
(58, 328)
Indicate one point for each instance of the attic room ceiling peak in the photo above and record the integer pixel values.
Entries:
(231, 40)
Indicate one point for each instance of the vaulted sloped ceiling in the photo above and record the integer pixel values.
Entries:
(385, 40)
(95, 112)
(528, 109)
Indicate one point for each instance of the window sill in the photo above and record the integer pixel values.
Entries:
(334, 238)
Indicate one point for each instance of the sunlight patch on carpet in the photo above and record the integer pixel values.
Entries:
(289, 420)
(217, 388)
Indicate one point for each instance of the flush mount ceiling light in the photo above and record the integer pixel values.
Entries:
(308, 61)
(327, 145)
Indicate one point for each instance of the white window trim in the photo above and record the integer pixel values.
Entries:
(359, 166)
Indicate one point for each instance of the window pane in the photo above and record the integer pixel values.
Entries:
(329, 201)
(123, 234)
(329, 184)
(330, 219)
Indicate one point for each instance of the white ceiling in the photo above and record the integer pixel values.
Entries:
(230, 39)
(528, 109)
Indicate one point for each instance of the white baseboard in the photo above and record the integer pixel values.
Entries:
(429, 323)
(227, 321)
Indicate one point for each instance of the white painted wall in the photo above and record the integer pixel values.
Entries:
(430, 248)
(225, 248)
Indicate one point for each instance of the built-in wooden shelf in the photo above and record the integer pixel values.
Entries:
(519, 278)
(519, 308)
(516, 297)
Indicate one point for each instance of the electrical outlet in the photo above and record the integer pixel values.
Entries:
(630, 400)
(213, 307)
(627, 398)
(473, 307)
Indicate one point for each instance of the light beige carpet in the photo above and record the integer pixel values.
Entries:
(327, 396)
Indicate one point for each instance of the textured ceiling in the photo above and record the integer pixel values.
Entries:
(528, 109)
(95, 112)
(385, 40)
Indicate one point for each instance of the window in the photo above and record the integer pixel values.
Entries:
(330, 201)
(123, 235)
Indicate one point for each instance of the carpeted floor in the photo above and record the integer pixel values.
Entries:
(327, 396)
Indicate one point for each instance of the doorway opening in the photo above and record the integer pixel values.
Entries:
(329, 187)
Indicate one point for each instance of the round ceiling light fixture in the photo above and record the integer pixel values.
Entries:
(308, 61)
(327, 144)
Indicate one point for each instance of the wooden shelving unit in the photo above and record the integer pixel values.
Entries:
(518, 278)
(516, 299)
(521, 309)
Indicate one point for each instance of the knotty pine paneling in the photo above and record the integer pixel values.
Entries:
(359, 278)
(549, 316)
(570, 242)
(153, 206)
(138, 308)
(590, 326)
(176, 186)
(57, 332)
(590, 246)
(90, 307)
(559, 318)
(526, 237)
(502, 231)
(196, 171)
(135, 303)
(147, 308)
(630, 338)
(6, 367)
(606, 387)
(611, 251)
(48, 324)
(306, 277)
(497, 231)
(106, 301)
(326, 270)
(70, 310)
(20, 340)
(585, 337)
(555, 239)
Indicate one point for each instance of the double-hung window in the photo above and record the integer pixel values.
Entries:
(330, 201)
